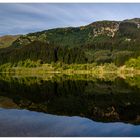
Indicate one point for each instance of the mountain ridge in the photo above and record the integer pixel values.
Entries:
(99, 27)
(99, 42)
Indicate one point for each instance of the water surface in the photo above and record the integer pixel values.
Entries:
(74, 105)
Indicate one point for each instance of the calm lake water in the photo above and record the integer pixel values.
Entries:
(74, 105)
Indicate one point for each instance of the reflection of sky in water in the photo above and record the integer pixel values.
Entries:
(26, 123)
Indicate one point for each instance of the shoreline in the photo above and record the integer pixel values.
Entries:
(73, 69)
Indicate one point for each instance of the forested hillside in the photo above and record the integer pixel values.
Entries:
(99, 42)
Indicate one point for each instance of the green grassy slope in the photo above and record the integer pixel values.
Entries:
(6, 41)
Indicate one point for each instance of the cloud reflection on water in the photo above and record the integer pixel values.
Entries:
(28, 123)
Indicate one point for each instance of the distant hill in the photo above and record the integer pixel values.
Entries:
(99, 42)
(6, 41)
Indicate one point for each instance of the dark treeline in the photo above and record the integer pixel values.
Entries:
(44, 52)
(51, 53)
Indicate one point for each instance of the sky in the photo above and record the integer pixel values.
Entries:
(19, 18)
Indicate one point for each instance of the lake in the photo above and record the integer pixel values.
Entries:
(69, 105)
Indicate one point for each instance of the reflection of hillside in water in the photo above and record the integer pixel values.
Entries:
(105, 100)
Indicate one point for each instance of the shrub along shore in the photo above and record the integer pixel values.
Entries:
(35, 67)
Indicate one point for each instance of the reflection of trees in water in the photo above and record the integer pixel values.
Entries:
(97, 99)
